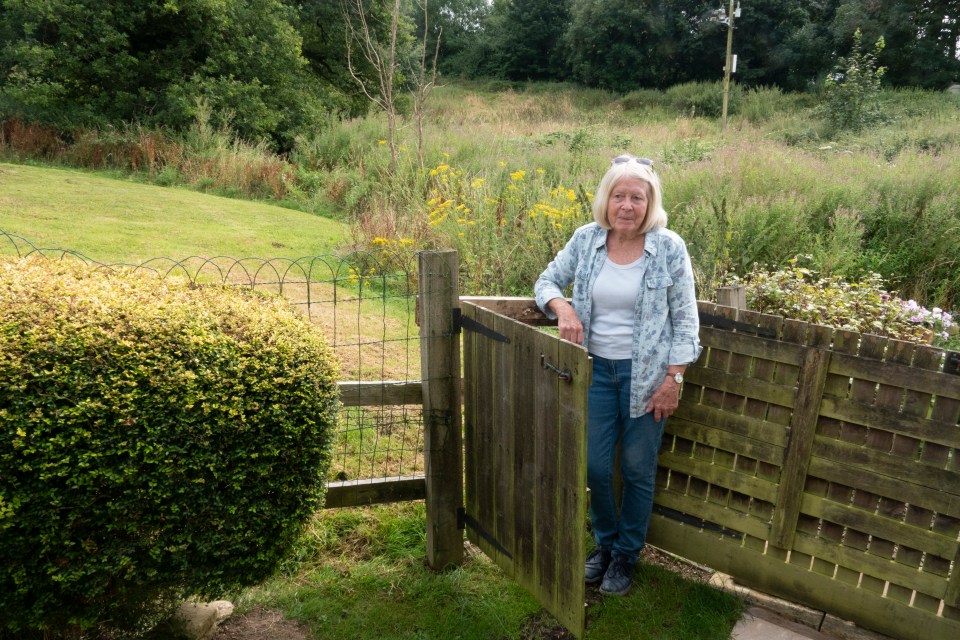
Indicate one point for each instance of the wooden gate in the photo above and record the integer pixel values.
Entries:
(525, 412)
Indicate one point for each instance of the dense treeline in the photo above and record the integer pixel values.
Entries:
(272, 69)
(268, 68)
(630, 44)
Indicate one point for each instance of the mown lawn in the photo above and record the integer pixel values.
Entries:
(111, 220)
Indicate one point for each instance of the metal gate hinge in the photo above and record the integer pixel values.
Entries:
(457, 318)
(468, 323)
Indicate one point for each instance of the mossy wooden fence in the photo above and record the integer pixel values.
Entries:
(820, 466)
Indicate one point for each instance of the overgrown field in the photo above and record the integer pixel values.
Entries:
(505, 173)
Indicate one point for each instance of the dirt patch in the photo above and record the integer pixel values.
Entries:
(688, 570)
(261, 624)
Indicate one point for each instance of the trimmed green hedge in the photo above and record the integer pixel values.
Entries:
(157, 440)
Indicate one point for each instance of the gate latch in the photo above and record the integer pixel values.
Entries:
(566, 375)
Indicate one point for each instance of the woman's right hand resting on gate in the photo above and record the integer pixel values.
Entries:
(571, 328)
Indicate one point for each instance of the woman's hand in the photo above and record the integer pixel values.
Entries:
(665, 399)
(568, 322)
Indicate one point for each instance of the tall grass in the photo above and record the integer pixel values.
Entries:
(775, 184)
(204, 158)
(771, 187)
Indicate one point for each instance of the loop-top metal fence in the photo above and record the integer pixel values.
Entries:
(365, 304)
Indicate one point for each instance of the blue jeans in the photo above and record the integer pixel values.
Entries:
(609, 421)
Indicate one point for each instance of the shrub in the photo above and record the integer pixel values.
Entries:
(703, 99)
(852, 91)
(865, 306)
(157, 441)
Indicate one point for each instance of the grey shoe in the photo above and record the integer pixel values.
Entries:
(619, 577)
(597, 563)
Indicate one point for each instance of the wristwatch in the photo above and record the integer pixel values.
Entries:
(678, 378)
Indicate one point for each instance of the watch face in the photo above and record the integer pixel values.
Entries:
(678, 377)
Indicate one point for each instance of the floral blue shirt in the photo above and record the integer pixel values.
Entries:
(667, 323)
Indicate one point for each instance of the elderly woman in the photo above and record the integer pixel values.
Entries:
(635, 310)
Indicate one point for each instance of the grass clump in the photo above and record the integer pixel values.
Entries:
(360, 573)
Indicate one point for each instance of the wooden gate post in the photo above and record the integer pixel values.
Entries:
(442, 421)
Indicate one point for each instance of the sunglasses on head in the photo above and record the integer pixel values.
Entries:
(647, 162)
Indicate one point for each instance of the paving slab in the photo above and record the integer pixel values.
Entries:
(758, 623)
(770, 618)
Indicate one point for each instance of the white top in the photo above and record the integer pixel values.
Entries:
(614, 307)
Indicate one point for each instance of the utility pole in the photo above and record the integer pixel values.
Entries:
(728, 67)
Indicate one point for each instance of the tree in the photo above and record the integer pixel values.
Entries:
(91, 62)
(483, 58)
(628, 44)
(921, 37)
(325, 27)
(922, 40)
(807, 49)
(383, 57)
(423, 73)
(767, 51)
(854, 86)
(531, 40)
(461, 24)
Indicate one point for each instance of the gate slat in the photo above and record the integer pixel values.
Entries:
(546, 386)
(571, 502)
(504, 443)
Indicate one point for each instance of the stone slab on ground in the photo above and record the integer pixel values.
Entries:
(200, 619)
(758, 623)
(772, 618)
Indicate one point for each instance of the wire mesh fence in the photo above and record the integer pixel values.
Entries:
(365, 305)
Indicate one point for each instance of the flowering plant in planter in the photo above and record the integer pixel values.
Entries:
(938, 322)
